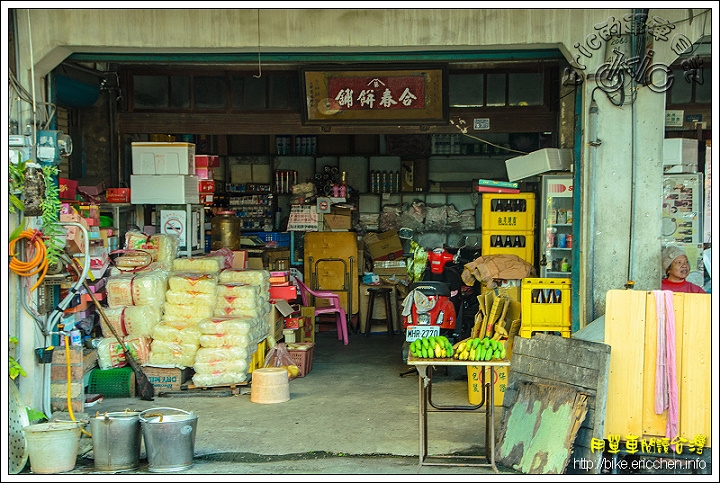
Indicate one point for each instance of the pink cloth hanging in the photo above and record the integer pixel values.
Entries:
(666, 390)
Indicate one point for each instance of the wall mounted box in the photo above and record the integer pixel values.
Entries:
(163, 189)
(163, 158)
(538, 162)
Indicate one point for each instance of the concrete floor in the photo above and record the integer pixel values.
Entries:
(352, 414)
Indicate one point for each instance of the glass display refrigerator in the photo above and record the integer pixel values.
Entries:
(682, 218)
(556, 229)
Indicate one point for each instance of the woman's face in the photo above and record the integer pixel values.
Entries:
(679, 269)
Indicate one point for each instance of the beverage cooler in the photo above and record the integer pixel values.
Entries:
(556, 226)
(682, 218)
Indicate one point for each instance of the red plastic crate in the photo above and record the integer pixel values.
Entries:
(303, 358)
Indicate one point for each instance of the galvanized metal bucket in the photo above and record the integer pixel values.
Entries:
(116, 440)
(169, 438)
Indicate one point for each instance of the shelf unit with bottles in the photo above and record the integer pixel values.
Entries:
(557, 226)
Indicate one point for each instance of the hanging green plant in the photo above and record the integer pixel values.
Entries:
(16, 185)
(50, 215)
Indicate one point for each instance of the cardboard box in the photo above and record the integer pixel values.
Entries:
(307, 334)
(167, 378)
(75, 240)
(204, 174)
(67, 189)
(163, 189)
(538, 162)
(339, 220)
(255, 263)
(294, 322)
(163, 158)
(276, 317)
(206, 186)
(383, 246)
(287, 292)
(511, 292)
(388, 268)
(240, 258)
(118, 195)
(207, 161)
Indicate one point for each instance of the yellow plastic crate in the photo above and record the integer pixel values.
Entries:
(518, 211)
(526, 238)
(545, 306)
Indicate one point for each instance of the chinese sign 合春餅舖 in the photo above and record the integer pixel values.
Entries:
(374, 95)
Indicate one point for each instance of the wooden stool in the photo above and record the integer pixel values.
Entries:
(383, 292)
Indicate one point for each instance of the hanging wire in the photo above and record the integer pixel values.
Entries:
(258, 46)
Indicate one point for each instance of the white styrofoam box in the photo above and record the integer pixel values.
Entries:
(163, 158)
(163, 189)
(680, 151)
(537, 162)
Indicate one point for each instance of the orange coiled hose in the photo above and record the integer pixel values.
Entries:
(38, 262)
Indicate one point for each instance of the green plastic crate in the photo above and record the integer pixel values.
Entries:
(115, 382)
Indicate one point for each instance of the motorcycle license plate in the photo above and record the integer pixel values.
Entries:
(419, 331)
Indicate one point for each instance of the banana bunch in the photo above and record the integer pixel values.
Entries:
(432, 347)
(477, 349)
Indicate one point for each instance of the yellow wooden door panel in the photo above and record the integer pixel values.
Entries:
(625, 334)
(696, 357)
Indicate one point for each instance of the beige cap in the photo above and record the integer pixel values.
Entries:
(668, 255)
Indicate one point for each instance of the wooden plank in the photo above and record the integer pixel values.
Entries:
(574, 351)
(564, 372)
(533, 360)
(696, 362)
(625, 334)
(538, 434)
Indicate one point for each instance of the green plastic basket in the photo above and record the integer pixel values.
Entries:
(116, 382)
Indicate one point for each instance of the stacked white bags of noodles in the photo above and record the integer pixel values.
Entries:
(244, 292)
(135, 305)
(190, 298)
(227, 345)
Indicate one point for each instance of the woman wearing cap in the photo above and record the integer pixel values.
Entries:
(677, 268)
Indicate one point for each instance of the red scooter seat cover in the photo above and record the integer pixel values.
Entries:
(435, 309)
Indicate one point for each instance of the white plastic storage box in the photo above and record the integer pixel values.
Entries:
(163, 158)
(680, 156)
(163, 189)
(538, 162)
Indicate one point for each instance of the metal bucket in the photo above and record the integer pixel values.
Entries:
(169, 438)
(116, 440)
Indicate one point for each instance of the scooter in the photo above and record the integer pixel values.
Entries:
(436, 305)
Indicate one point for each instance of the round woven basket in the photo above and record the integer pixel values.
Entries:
(270, 385)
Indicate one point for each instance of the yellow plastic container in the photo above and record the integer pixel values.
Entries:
(503, 212)
(258, 357)
(545, 306)
(500, 374)
(525, 238)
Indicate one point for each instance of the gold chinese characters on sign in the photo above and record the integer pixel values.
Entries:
(375, 95)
